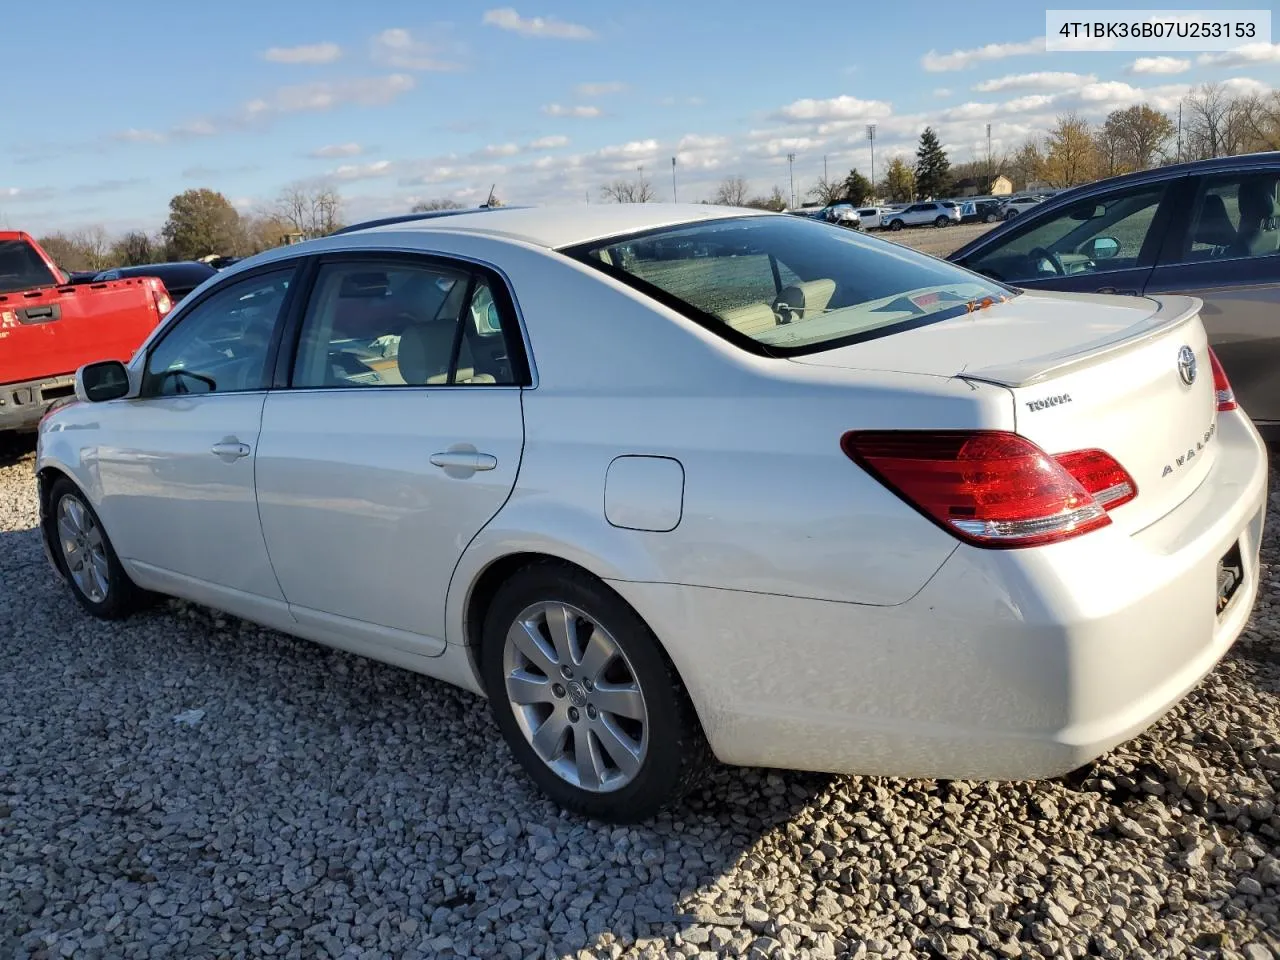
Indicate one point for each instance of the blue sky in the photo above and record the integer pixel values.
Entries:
(395, 101)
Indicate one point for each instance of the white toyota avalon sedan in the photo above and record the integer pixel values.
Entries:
(667, 483)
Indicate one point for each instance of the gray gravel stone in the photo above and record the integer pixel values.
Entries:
(325, 805)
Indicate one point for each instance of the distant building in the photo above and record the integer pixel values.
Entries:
(1000, 186)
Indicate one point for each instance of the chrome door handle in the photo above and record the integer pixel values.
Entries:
(464, 460)
(230, 450)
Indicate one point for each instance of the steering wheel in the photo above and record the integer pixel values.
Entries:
(1039, 255)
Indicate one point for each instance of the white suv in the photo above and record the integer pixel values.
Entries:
(940, 213)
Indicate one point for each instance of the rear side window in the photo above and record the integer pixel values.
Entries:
(400, 323)
(790, 284)
(21, 267)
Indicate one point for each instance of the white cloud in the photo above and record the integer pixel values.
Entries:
(133, 135)
(781, 145)
(599, 89)
(362, 171)
(335, 150)
(1044, 80)
(694, 141)
(836, 108)
(195, 128)
(1244, 86)
(1250, 53)
(506, 18)
(549, 143)
(582, 110)
(942, 92)
(501, 150)
(398, 48)
(1159, 65)
(327, 94)
(307, 53)
(936, 62)
(636, 149)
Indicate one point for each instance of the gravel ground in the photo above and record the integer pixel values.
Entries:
(185, 785)
(936, 241)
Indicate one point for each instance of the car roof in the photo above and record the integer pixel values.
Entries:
(555, 227)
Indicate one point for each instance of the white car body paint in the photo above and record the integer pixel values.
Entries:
(817, 621)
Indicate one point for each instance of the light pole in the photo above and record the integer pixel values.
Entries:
(791, 165)
(871, 136)
(989, 170)
(673, 180)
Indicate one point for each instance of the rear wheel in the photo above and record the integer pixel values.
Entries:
(586, 698)
(895, 225)
(941, 222)
(88, 560)
(1010, 214)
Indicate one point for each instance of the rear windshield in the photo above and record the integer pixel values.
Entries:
(791, 285)
(21, 267)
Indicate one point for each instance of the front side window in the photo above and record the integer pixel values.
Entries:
(400, 323)
(1090, 236)
(791, 284)
(1234, 215)
(221, 345)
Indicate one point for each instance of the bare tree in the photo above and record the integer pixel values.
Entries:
(1260, 117)
(826, 191)
(1112, 151)
(95, 245)
(443, 203)
(1217, 124)
(628, 191)
(311, 211)
(775, 201)
(1027, 165)
(732, 192)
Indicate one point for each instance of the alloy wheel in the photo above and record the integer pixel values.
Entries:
(83, 549)
(575, 697)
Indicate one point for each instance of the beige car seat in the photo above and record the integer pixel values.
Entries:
(809, 299)
(425, 350)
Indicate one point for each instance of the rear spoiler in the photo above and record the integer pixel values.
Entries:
(1170, 313)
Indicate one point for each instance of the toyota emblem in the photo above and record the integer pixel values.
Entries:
(1187, 365)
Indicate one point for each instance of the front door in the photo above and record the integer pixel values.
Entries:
(176, 464)
(1102, 244)
(398, 439)
(1229, 257)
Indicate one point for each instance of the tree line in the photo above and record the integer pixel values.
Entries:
(202, 222)
(1215, 123)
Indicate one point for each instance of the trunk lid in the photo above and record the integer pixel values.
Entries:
(1084, 372)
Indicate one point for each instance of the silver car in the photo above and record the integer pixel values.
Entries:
(1210, 229)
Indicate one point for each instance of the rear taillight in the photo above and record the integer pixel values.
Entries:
(161, 296)
(1104, 479)
(992, 488)
(1221, 385)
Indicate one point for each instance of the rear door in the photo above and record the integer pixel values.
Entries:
(1105, 243)
(1229, 255)
(395, 436)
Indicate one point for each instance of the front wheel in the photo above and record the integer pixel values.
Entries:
(87, 559)
(1011, 214)
(895, 225)
(586, 698)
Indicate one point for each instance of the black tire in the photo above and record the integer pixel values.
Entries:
(941, 222)
(895, 225)
(677, 754)
(123, 597)
(991, 218)
(1010, 214)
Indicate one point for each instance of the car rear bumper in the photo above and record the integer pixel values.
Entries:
(23, 404)
(1013, 665)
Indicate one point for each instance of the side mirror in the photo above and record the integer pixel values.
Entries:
(102, 381)
(1104, 248)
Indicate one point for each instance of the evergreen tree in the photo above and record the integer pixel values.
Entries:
(933, 169)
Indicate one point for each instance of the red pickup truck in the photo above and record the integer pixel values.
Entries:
(48, 328)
